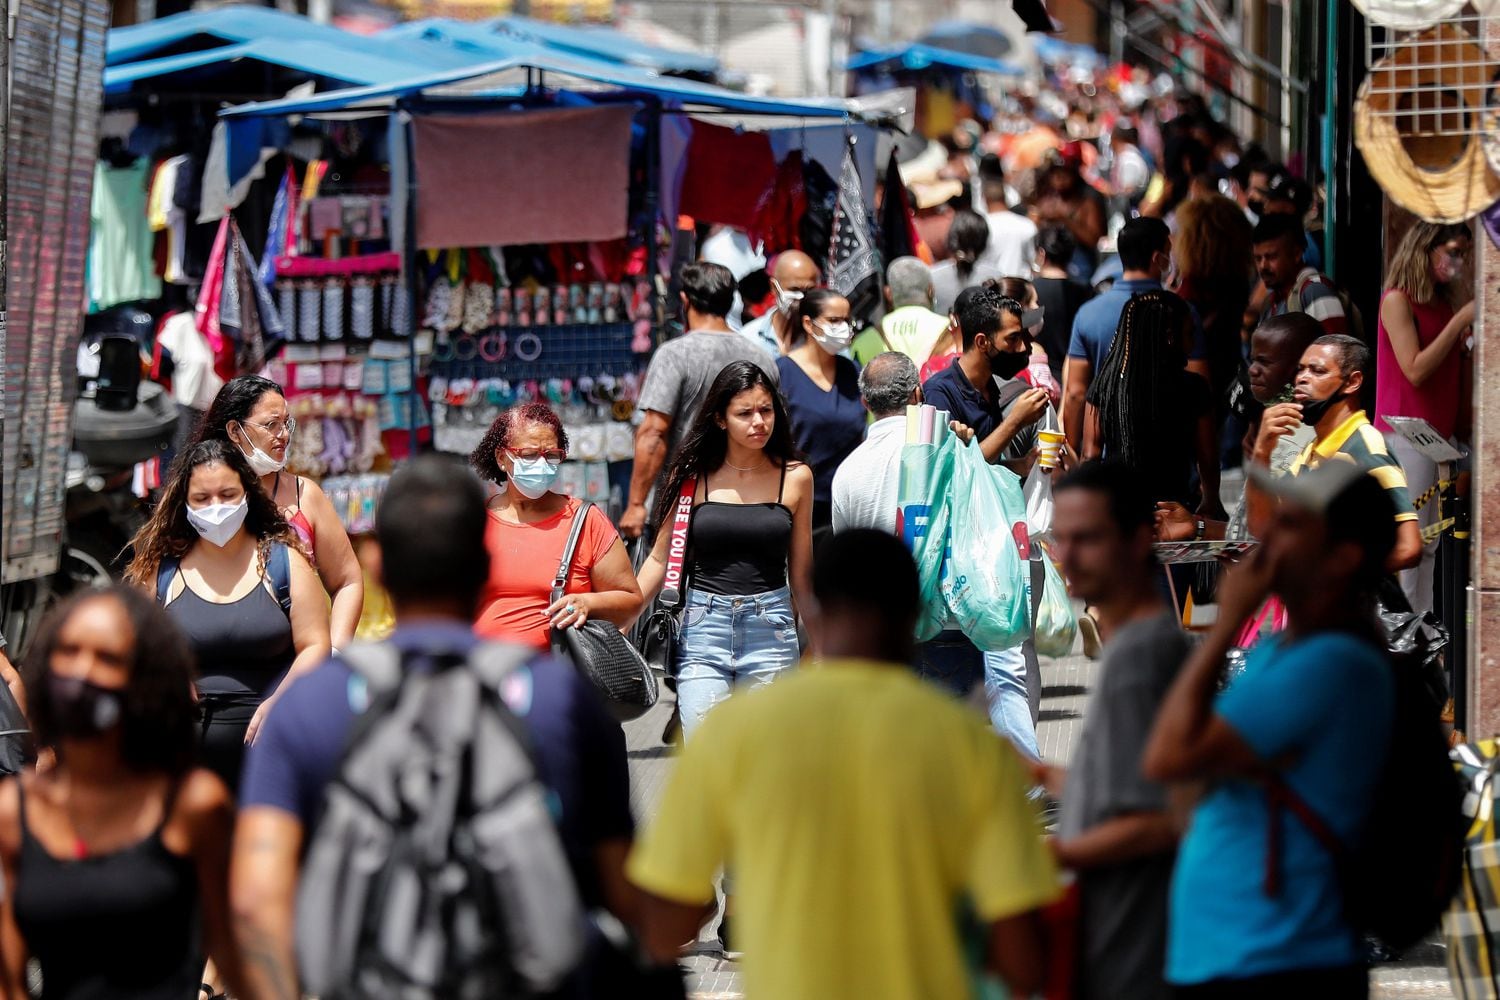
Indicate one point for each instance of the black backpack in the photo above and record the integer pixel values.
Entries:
(1399, 879)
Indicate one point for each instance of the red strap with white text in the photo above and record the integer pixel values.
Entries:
(682, 514)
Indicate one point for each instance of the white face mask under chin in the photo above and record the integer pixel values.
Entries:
(260, 463)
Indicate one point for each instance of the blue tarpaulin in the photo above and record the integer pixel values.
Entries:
(918, 57)
(599, 42)
(316, 59)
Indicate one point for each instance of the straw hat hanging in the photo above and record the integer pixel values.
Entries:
(1416, 121)
(1407, 15)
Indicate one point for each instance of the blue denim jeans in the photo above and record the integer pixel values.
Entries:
(950, 661)
(1005, 675)
(729, 642)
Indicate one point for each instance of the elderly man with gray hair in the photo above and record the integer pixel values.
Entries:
(864, 487)
(910, 326)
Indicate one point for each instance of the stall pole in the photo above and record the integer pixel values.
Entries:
(409, 267)
(653, 189)
(1453, 561)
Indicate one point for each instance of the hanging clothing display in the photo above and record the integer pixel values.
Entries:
(120, 266)
(194, 381)
(169, 220)
(727, 172)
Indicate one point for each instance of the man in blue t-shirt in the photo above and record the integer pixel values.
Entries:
(434, 563)
(1315, 705)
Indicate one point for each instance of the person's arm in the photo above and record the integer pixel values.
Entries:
(1407, 552)
(1027, 409)
(337, 565)
(1188, 740)
(309, 634)
(208, 809)
(1077, 373)
(11, 677)
(616, 596)
(1117, 840)
(13, 950)
(667, 926)
(650, 456)
(1278, 420)
(1206, 444)
(1419, 363)
(1093, 442)
(1175, 523)
(1016, 953)
(799, 559)
(263, 877)
(654, 570)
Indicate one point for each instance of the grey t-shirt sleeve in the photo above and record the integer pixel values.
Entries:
(662, 390)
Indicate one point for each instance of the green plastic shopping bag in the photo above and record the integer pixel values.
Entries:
(922, 520)
(988, 584)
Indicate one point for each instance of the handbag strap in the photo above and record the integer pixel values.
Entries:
(560, 581)
(682, 515)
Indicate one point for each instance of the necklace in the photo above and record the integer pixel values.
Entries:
(752, 468)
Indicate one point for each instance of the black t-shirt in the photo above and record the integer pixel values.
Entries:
(1060, 298)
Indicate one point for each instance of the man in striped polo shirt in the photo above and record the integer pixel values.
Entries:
(1326, 396)
(1292, 286)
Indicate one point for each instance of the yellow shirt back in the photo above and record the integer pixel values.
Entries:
(856, 808)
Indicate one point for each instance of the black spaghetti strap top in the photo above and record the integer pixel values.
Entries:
(117, 926)
(242, 647)
(739, 548)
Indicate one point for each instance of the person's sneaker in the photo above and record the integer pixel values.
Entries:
(1089, 629)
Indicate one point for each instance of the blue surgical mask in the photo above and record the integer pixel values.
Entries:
(533, 477)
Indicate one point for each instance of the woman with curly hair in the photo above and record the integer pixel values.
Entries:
(230, 571)
(116, 858)
(528, 529)
(1214, 274)
(749, 544)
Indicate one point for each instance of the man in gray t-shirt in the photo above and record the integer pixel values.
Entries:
(681, 372)
(1115, 831)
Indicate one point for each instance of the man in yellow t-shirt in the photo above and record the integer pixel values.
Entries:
(860, 810)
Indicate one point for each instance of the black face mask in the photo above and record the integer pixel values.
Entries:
(1009, 364)
(83, 710)
(1256, 205)
(1313, 410)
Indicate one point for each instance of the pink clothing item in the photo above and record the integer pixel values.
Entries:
(534, 177)
(1436, 400)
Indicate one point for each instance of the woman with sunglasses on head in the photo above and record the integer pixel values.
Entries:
(251, 413)
(528, 530)
(116, 858)
(235, 577)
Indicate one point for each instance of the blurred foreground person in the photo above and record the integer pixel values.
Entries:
(806, 788)
(116, 859)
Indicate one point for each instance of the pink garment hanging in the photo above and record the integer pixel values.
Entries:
(206, 309)
(534, 177)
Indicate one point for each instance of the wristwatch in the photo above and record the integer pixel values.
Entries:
(1201, 527)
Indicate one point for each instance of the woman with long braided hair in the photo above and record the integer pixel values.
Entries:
(1147, 410)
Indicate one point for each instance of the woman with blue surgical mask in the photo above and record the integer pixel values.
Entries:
(229, 569)
(821, 387)
(529, 524)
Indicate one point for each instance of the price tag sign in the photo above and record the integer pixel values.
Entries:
(1424, 438)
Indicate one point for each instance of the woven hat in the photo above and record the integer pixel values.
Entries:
(1408, 15)
(1416, 122)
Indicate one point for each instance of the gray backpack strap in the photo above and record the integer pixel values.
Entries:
(492, 662)
(560, 581)
(379, 663)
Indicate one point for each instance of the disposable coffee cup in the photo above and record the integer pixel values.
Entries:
(1049, 448)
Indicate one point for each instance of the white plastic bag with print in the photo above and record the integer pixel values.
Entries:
(1056, 624)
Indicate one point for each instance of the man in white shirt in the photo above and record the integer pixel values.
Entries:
(864, 487)
(1012, 246)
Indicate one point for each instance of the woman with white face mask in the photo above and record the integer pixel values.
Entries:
(528, 529)
(235, 577)
(821, 388)
(251, 413)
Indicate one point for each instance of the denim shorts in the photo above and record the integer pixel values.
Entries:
(730, 642)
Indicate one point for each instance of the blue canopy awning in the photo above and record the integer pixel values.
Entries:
(598, 42)
(211, 28)
(313, 58)
(511, 77)
(917, 56)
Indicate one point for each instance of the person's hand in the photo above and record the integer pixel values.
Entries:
(1028, 407)
(1051, 777)
(633, 520)
(258, 719)
(1278, 421)
(1175, 523)
(1245, 586)
(1465, 315)
(570, 610)
(963, 432)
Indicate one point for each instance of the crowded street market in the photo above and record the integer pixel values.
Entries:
(899, 499)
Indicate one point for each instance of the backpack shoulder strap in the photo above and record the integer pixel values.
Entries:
(165, 571)
(379, 663)
(1007, 391)
(492, 662)
(560, 581)
(279, 567)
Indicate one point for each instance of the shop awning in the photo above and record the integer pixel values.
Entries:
(513, 77)
(201, 30)
(337, 63)
(917, 56)
(599, 42)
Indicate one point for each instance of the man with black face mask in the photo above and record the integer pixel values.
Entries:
(1326, 397)
(980, 387)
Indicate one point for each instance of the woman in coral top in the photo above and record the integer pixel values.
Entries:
(1419, 363)
(528, 528)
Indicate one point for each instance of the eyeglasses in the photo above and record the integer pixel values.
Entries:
(553, 455)
(276, 428)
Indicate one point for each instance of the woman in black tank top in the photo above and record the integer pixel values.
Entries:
(749, 543)
(117, 858)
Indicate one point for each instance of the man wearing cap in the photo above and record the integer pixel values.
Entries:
(1279, 244)
(793, 274)
(910, 327)
(1326, 397)
(1277, 192)
(1314, 708)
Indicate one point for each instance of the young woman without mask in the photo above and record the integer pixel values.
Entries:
(528, 529)
(232, 573)
(749, 545)
(821, 389)
(251, 413)
(117, 857)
